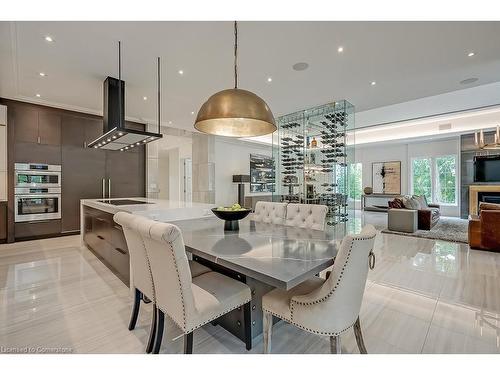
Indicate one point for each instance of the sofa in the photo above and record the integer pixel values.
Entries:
(411, 213)
(484, 229)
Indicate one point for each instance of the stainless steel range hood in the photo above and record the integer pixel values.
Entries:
(115, 136)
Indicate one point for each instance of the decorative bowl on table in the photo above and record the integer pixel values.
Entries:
(231, 215)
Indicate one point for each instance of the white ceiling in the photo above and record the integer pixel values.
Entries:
(408, 60)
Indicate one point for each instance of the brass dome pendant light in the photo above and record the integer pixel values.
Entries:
(235, 112)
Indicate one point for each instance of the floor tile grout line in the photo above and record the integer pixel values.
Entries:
(432, 318)
(429, 328)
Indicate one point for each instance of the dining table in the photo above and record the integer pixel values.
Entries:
(264, 256)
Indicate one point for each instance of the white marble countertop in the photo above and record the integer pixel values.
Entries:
(156, 209)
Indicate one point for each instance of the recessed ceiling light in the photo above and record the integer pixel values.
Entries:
(38, 95)
(300, 66)
(373, 83)
(340, 49)
(145, 98)
(192, 112)
(470, 54)
(42, 74)
(49, 39)
(181, 72)
(468, 81)
(269, 79)
(170, 122)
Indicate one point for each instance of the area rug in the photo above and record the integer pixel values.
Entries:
(447, 229)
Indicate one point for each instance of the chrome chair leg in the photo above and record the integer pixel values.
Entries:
(359, 337)
(335, 345)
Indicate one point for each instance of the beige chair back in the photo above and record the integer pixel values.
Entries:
(334, 307)
(141, 277)
(269, 212)
(312, 216)
(170, 270)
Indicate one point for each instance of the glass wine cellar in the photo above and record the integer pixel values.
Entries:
(313, 149)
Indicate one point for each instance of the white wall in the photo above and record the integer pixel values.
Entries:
(233, 157)
(163, 174)
(3, 152)
(404, 152)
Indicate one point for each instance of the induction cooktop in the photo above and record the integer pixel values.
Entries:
(123, 202)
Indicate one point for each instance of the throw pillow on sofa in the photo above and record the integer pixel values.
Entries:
(411, 203)
(396, 203)
(422, 201)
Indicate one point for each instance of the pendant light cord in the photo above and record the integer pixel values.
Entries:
(120, 125)
(159, 99)
(235, 54)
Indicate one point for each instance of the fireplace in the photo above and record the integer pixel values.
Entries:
(488, 196)
(482, 193)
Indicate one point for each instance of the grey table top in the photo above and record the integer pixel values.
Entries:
(278, 255)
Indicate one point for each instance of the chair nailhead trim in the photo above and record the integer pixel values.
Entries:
(323, 299)
(307, 329)
(186, 331)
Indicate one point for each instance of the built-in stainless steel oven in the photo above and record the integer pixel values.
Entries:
(37, 175)
(37, 192)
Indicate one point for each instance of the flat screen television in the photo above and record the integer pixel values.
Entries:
(487, 168)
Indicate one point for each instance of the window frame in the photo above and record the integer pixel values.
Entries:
(348, 193)
(434, 177)
(412, 174)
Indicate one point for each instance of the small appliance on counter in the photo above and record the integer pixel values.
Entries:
(37, 192)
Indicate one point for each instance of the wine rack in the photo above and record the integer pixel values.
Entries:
(313, 149)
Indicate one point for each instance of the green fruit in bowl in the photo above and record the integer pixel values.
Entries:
(236, 207)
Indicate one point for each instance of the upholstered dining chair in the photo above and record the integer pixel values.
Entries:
(312, 216)
(327, 307)
(269, 212)
(141, 277)
(190, 302)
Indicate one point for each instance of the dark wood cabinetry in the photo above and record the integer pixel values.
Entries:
(3, 221)
(49, 128)
(33, 125)
(36, 229)
(106, 240)
(125, 171)
(48, 135)
(83, 169)
(25, 124)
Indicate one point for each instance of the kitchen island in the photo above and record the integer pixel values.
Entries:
(105, 238)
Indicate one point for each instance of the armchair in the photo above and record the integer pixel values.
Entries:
(484, 233)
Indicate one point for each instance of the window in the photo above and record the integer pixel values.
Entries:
(355, 181)
(354, 184)
(422, 178)
(435, 178)
(446, 181)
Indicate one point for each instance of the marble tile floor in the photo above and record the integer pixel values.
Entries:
(424, 296)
